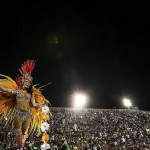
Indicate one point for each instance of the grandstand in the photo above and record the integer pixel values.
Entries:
(91, 129)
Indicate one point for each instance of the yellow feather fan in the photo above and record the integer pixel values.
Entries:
(7, 101)
(37, 115)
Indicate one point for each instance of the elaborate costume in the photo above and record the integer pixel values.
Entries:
(22, 104)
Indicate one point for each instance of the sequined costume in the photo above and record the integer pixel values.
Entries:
(21, 103)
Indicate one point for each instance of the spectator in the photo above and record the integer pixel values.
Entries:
(93, 129)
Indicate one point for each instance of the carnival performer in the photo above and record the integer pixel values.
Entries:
(21, 103)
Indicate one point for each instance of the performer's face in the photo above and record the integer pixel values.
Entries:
(26, 84)
(26, 80)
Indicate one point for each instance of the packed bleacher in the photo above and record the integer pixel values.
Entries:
(91, 129)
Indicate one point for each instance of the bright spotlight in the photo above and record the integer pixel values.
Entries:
(79, 100)
(127, 102)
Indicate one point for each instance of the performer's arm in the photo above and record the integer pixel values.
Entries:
(34, 102)
(7, 90)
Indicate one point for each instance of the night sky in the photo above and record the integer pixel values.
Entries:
(94, 48)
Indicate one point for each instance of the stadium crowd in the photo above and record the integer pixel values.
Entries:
(92, 129)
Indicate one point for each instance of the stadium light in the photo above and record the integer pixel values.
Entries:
(79, 100)
(127, 102)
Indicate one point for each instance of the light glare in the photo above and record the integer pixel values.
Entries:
(79, 100)
(127, 102)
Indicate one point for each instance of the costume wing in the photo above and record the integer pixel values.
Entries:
(7, 101)
(38, 117)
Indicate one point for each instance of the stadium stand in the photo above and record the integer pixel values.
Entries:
(91, 129)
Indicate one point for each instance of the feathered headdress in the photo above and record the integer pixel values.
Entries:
(25, 70)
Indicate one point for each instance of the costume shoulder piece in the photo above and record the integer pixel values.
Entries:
(7, 100)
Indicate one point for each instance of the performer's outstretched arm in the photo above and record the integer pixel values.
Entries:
(7, 90)
(34, 102)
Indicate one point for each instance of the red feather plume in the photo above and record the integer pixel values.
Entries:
(18, 81)
(27, 67)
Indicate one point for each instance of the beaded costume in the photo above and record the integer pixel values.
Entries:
(21, 104)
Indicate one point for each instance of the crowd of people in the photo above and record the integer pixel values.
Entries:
(91, 129)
